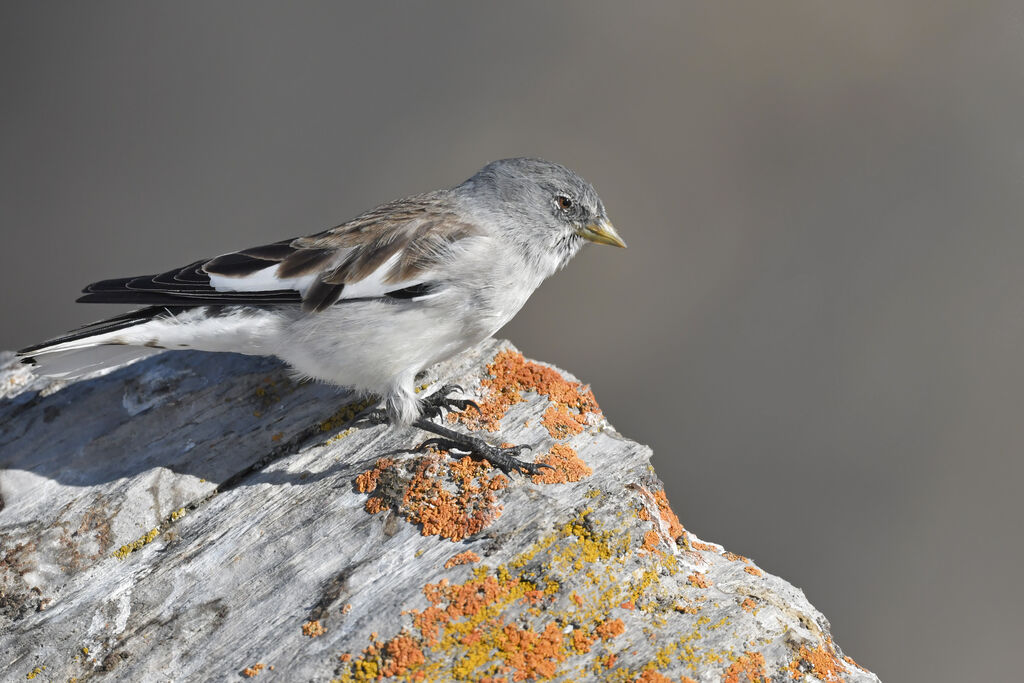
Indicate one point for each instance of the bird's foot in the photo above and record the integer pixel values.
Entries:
(442, 401)
(504, 458)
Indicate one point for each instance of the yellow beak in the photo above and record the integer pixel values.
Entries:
(602, 232)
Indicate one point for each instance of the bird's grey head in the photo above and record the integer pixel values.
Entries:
(544, 207)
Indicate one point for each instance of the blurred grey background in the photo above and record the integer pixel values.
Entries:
(819, 322)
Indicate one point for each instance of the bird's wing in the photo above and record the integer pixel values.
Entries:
(392, 251)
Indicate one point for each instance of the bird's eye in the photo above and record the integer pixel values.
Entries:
(564, 203)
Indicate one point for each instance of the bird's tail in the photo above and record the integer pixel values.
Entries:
(115, 341)
(93, 347)
(79, 362)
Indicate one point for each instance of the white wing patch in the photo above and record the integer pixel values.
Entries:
(370, 287)
(264, 280)
(373, 285)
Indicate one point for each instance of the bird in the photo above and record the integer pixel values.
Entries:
(368, 304)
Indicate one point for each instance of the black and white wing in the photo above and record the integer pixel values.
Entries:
(394, 251)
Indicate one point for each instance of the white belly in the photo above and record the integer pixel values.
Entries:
(374, 346)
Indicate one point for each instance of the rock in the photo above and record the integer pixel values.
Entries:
(204, 517)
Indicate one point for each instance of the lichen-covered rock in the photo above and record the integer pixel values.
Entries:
(203, 517)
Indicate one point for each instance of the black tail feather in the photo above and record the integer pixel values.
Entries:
(120, 322)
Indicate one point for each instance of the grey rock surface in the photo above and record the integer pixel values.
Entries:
(204, 517)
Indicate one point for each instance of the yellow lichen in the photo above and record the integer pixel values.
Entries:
(345, 414)
(126, 550)
(341, 435)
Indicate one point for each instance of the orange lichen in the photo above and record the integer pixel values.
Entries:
(510, 375)
(651, 541)
(448, 498)
(651, 676)
(467, 557)
(823, 660)
(345, 658)
(733, 557)
(402, 654)
(461, 601)
(456, 500)
(469, 615)
(753, 571)
(533, 598)
(529, 619)
(567, 466)
(687, 679)
(581, 641)
(675, 527)
(610, 629)
(561, 424)
(532, 654)
(252, 671)
(697, 545)
(453, 515)
(750, 666)
(313, 629)
(367, 481)
(699, 580)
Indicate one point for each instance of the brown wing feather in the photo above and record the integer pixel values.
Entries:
(420, 229)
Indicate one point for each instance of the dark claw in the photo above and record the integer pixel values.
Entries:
(440, 401)
(463, 403)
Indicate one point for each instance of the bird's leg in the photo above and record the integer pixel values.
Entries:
(505, 459)
(434, 405)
